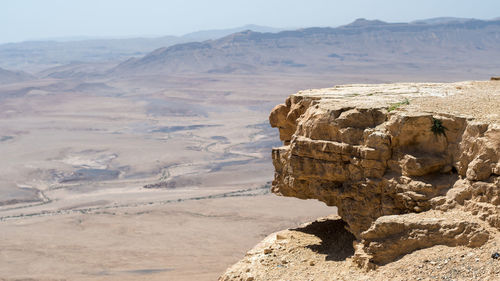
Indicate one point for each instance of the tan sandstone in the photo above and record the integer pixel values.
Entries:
(410, 166)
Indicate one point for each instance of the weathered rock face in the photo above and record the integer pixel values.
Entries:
(397, 160)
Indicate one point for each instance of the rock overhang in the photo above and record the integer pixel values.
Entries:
(377, 151)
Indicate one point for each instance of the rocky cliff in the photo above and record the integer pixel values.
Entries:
(409, 166)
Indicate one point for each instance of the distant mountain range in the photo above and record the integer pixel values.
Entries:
(442, 20)
(219, 33)
(468, 46)
(435, 44)
(38, 55)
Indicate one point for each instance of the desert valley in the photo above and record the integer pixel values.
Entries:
(150, 159)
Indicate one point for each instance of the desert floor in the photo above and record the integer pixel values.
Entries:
(143, 178)
(139, 178)
(188, 240)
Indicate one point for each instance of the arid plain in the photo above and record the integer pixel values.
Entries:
(109, 171)
(125, 180)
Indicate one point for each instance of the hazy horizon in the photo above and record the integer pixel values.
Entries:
(30, 20)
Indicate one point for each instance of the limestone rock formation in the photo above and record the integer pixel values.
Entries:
(409, 166)
(379, 156)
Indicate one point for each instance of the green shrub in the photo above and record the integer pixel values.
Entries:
(437, 127)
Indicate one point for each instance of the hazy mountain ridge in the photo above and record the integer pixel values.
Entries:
(443, 20)
(218, 33)
(370, 43)
(7, 76)
(373, 45)
(35, 56)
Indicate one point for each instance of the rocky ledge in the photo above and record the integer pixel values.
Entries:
(409, 166)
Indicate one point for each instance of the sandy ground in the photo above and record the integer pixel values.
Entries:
(77, 156)
(322, 250)
(189, 240)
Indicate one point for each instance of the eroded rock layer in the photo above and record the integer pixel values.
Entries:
(395, 167)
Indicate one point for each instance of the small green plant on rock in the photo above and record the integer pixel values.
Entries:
(397, 105)
(437, 127)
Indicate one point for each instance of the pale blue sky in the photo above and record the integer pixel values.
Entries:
(35, 19)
